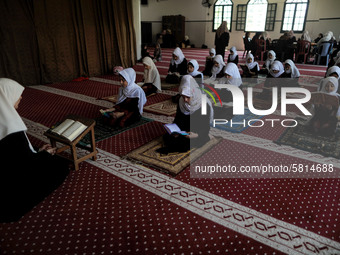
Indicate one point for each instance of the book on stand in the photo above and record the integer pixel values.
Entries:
(70, 129)
(172, 128)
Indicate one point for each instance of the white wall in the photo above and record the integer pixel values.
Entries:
(201, 32)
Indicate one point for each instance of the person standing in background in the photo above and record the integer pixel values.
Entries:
(221, 39)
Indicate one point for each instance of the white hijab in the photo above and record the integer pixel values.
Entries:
(217, 69)
(213, 51)
(178, 52)
(196, 67)
(151, 75)
(233, 56)
(253, 63)
(132, 90)
(332, 80)
(333, 69)
(327, 37)
(277, 65)
(10, 120)
(269, 61)
(295, 73)
(232, 70)
(189, 87)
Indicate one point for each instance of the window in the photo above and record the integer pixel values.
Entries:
(294, 15)
(223, 11)
(241, 17)
(256, 15)
(271, 15)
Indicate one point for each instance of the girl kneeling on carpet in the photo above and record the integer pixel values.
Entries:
(232, 76)
(152, 80)
(325, 117)
(292, 73)
(189, 118)
(27, 175)
(178, 67)
(193, 67)
(131, 100)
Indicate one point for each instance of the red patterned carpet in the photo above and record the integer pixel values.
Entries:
(113, 206)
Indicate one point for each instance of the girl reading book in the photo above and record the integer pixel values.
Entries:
(189, 118)
(177, 67)
(131, 100)
(27, 174)
(152, 80)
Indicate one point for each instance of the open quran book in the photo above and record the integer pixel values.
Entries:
(70, 129)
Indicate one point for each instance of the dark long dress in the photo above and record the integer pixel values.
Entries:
(196, 123)
(26, 178)
(233, 61)
(221, 42)
(131, 112)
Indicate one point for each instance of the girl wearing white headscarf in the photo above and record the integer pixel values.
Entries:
(193, 67)
(231, 75)
(178, 67)
(130, 103)
(305, 36)
(189, 118)
(292, 73)
(217, 69)
(270, 59)
(276, 69)
(233, 57)
(333, 71)
(209, 62)
(326, 38)
(325, 118)
(152, 80)
(27, 175)
(253, 67)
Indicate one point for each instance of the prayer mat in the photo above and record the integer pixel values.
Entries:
(238, 123)
(103, 131)
(173, 162)
(168, 86)
(165, 108)
(112, 99)
(302, 138)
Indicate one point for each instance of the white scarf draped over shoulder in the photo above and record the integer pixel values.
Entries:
(217, 69)
(235, 79)
(196, 66)
(189, 87)
(270, 61)
(253, 63)
(177, 52)
(333, 69)
(10, 120)
(276, 66)
(295, 73)
(132, 90)
(151, 75)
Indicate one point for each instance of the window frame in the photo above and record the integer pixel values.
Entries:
(246, 18)
(304, 22)
(274, 17)
(231, 17)
(238, 17)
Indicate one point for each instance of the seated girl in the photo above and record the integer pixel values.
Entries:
(269, 61)
(252, 69)
(217, 69)
(152, 80)
(275, 71)
(178, 67)
(325, 117)
(292, 73)
(193, 67)
(333, 71)
(233, 57)
(131, 99)
(157, 53)
(231, 76)
(209, 62)
(189, 118)
(27, 175)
